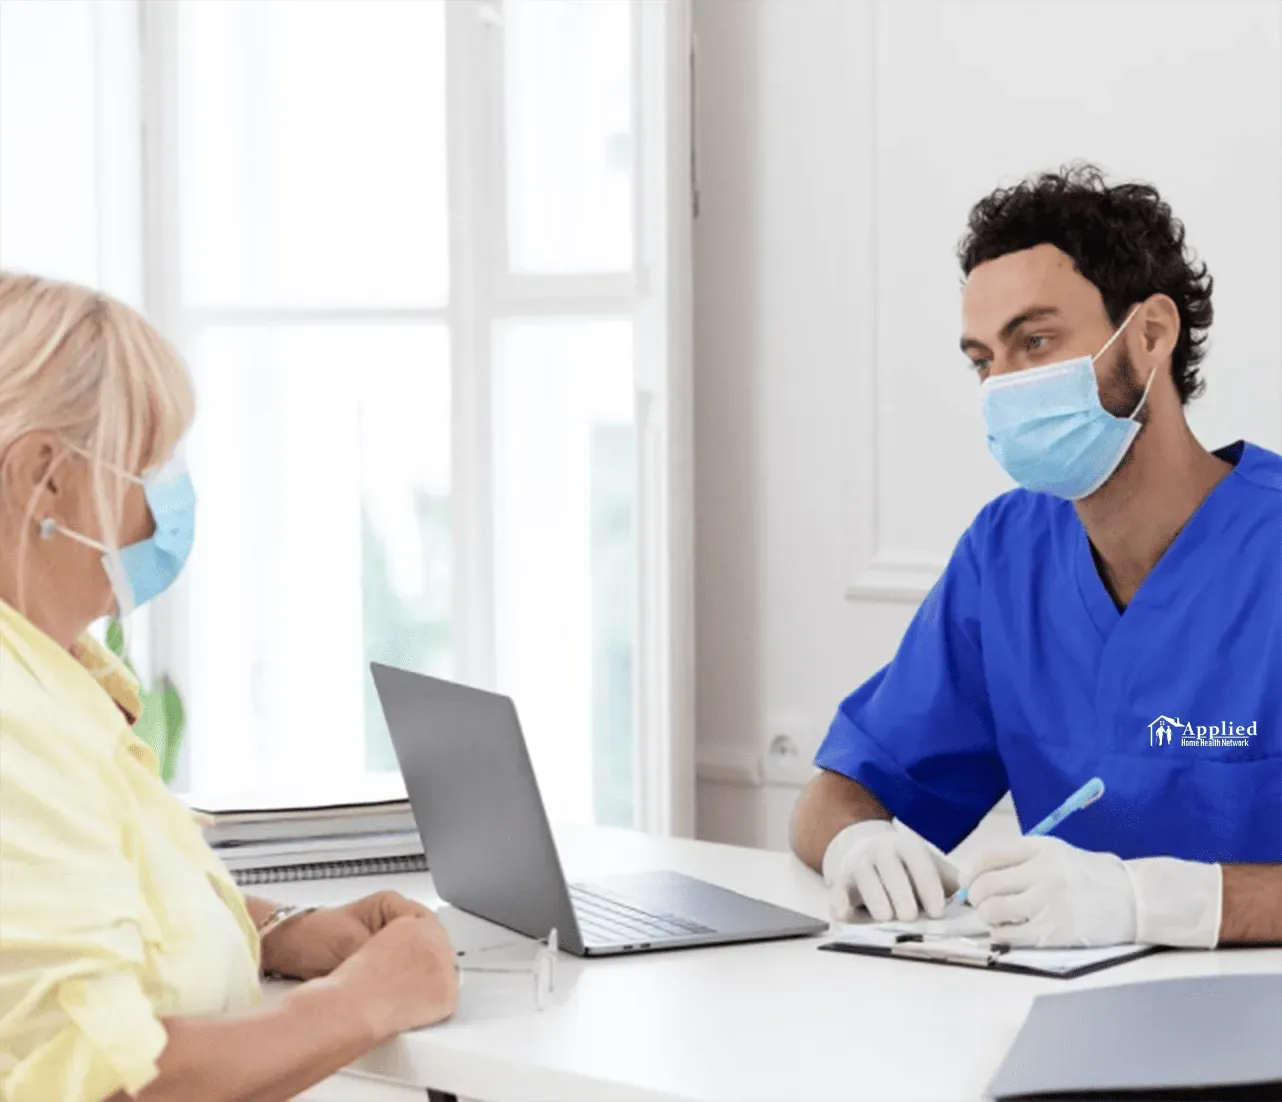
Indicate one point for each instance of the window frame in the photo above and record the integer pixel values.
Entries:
(482, 291)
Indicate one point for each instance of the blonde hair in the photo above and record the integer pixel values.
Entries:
(88, 369)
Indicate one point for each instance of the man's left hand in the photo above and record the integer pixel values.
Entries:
(1044, 893)
(314, 944)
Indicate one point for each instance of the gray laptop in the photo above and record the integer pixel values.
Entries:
(486, 835)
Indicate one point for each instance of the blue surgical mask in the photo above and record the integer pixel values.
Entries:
(1046, 426)
(144, 570)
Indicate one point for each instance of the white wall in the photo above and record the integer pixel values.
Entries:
(839, 442)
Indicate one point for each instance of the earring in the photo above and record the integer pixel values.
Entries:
(48, 528)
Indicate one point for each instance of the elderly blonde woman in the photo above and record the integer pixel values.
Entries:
(129, 962)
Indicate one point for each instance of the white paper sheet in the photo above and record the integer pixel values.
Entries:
(960, 920)
(964, 929)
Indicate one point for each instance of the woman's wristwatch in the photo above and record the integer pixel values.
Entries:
(282, 915)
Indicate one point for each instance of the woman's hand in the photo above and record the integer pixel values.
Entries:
(315, 944)
(404, 977)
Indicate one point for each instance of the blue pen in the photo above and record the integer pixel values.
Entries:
(1091, 791)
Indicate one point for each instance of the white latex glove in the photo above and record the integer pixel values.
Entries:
(1178, 903)
(891, 871)
(1042, 892)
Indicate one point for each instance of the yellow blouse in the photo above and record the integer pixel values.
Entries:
(114, 913)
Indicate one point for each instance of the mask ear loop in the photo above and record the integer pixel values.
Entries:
(1109, 343)
(115, 570)
(1151, 375)
(1144, 397)
(50, 528)
(112, 563)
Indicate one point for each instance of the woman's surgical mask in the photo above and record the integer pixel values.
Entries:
(1046, 426)
(146, 569)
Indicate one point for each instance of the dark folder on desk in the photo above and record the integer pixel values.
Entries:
(1204, 1037)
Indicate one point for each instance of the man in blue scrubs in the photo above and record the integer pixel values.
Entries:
(1119, 616)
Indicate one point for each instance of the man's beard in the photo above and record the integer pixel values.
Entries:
(1124, 392)
(1122, 397)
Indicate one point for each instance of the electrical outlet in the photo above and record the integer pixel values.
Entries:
(788, 752)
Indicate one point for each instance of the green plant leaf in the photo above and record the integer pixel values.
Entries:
(116, 644)
(175, 725)
(163, 719)
(150, 727)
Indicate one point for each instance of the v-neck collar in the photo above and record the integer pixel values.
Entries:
(1157, 588)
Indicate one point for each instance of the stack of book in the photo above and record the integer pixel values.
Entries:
(262, 841)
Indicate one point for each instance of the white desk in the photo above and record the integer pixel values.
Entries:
(777, 1020)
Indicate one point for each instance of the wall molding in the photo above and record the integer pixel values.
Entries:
(731, 763)
(899, 576)
(880, 574)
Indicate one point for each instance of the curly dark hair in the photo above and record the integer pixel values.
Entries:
(1122, 238)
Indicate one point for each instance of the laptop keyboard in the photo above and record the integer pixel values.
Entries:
(603, 918)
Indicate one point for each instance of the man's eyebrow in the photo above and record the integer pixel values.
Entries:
(1031, 314)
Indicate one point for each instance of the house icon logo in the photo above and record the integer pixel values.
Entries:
(1161, 730)
(1164, 731)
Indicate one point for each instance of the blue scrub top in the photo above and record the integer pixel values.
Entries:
(1019, 672)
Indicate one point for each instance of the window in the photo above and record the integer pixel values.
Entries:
(565, 580)
(409, 250)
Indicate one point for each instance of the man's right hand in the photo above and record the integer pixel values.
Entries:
(891, 872)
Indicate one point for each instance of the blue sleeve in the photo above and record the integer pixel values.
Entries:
(919, 733)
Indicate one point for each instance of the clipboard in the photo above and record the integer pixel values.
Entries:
(1066, 964)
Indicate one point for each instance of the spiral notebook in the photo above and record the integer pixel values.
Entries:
(332, 870)
(324, 858)
(361, 827)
